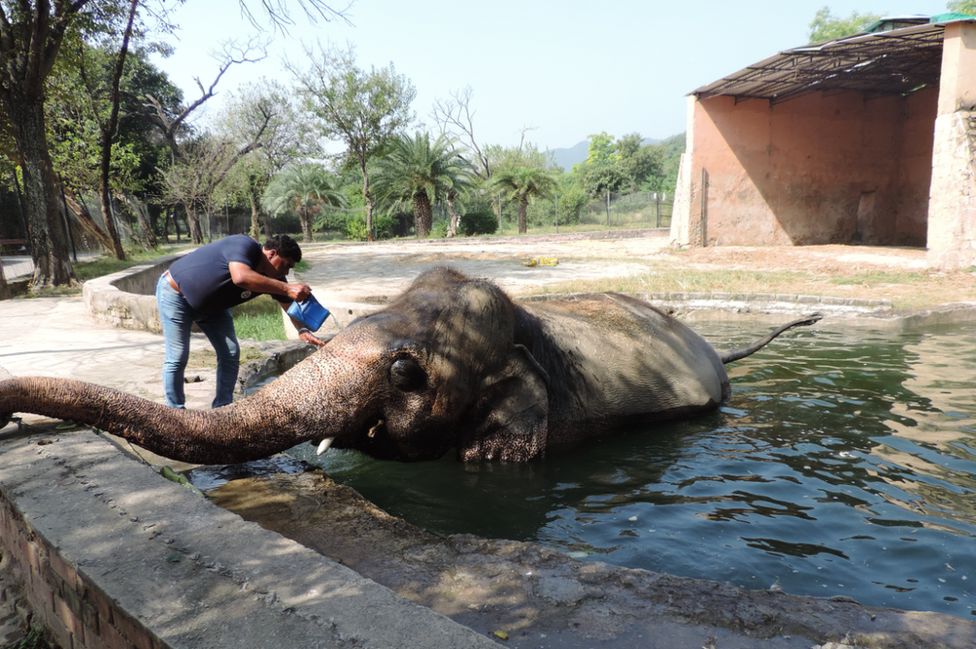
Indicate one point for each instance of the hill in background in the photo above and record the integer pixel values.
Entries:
(568, 157)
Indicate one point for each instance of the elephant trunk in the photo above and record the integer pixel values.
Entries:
(252, 428)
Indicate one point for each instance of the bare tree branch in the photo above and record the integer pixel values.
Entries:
(456, 117)
(233, 55)
(280, 15)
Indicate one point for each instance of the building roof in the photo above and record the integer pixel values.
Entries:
(895, 62)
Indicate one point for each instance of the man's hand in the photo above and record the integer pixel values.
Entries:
(299, 292)
(308, 337)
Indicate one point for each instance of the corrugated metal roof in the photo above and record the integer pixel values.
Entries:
(900, 61)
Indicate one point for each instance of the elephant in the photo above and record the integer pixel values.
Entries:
(451, 363)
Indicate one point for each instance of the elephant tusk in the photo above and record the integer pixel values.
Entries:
(324, 445)
(372, 431)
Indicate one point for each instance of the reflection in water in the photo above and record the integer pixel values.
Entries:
(844, 464)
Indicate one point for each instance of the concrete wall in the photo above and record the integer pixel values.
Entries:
(112, 556)
(127, 299)
(820, 168)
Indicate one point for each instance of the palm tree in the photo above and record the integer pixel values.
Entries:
(420, 172)
(305, 189)
(522, 183)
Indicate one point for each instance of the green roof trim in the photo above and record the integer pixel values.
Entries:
(952, 16)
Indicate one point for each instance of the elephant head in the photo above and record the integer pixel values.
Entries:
(450, 363)
(394, 384)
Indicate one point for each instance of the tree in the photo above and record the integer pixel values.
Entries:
(31, 35)
(521, 184)
(456, 117)
(362, 109)
(286, 140)
(827, 27)
(201, 164)
(602, 173)
(638, 162)
(304, 189)
(963, 7)
(85, 105)
(420, 172)
(204, 163)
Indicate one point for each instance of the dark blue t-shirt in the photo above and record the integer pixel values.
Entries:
(204, 274)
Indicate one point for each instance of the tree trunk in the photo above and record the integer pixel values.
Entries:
(46, 228)
(255, 199)
(523, 209)
(306, 220)
(142, 218)
(85, 220)
(455, 220)
(193, 223)
(423, 214)
(4, 289)
(109, 131)
(368, 200)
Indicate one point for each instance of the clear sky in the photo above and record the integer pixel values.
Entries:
(562, 68)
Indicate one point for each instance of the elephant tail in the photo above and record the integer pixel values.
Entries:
(736, 354)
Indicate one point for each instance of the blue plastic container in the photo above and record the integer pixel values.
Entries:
(310, 313)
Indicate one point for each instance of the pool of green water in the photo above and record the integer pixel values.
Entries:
(844, 464)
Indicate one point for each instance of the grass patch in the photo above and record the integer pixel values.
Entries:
(686, 280)
(259, 319)
(105, 265)
(874, 278)
(206, 358)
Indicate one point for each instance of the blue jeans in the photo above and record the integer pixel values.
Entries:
(177, 317)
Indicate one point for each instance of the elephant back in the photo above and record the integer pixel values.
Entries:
(612, 357)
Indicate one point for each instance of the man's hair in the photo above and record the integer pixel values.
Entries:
(284, 246)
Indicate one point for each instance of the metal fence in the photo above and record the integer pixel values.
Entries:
(639, 209)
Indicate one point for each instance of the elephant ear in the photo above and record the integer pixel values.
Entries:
(511, 418)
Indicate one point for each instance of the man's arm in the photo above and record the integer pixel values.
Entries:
(246, 277)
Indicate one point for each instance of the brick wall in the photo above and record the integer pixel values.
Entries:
(60, 597)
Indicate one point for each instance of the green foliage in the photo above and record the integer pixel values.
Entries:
(622, 165)
(384, 225)
(416, 172)
(362, 109)
(572, 200)
(519, 184)
(481, 221)
(303, 189)
(526, 155)
(78, 106)
(668, 152)
(827, 27)
(962, 6)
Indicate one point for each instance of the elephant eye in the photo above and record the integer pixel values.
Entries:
(407, 375)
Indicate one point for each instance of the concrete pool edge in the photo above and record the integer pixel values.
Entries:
(110, 554)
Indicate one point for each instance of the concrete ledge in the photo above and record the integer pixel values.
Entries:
(127, 298)
(111, 555)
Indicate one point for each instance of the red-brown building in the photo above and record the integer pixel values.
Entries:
(868, 139)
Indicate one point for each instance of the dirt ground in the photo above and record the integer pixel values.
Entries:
(900, 275)
(645, 263)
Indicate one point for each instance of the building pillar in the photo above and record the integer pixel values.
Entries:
(684, 190)
(951, 237)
